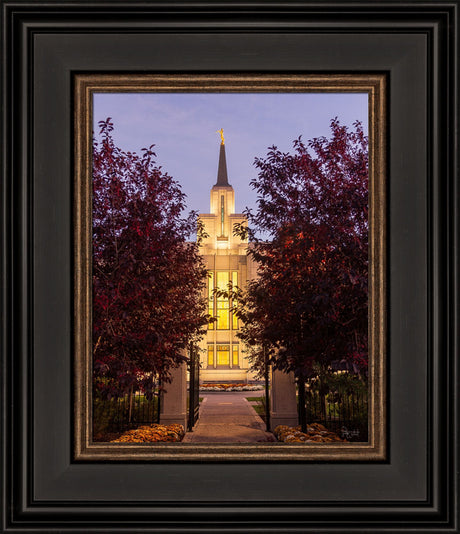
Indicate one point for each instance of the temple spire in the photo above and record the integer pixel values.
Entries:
(222, 177)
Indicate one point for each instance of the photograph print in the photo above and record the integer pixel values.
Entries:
(229, 281)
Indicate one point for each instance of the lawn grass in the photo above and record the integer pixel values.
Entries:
(260, 410)
(258, 405)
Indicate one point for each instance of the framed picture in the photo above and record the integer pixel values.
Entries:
(56, 475)
(341, 403)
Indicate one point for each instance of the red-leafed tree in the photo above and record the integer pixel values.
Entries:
(148, 278)
(309, 304)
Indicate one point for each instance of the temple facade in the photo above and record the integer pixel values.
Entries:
(223, 355)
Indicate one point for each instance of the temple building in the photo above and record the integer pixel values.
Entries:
(223, 356)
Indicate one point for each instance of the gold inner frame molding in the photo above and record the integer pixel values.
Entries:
(85, 85)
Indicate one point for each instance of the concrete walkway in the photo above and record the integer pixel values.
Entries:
(228, 418)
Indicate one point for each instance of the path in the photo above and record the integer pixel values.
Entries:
(228, 418)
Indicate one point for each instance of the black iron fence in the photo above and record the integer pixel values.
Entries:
(118, 413)
(121, 413)
(340, 404)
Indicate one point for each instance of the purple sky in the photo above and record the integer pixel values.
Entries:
(183, 128)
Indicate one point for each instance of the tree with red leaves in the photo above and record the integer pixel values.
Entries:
(309, 304)
(148, 277)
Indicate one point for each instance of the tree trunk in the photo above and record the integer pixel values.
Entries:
(267, 398)
(323, 406)
(130, 404)
(302, 407)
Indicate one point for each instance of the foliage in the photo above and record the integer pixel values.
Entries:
(115, 415)
(309, 302)
(152, 434)
(338, 397)
(314, 433)
(147, 278)
(325, 381)
(229, 387)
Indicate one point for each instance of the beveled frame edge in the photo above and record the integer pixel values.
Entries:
(375, 85)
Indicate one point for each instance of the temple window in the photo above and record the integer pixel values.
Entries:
(210, 355)
(211, 298)
(235, 356)
(234, 284)
(220, 306)
(223, 304)
(223, 355)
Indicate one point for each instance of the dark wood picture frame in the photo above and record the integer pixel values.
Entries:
(44, 45)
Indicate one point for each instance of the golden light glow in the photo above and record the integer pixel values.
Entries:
(222, 319)
(234, 317)
(223, 278)
(223, 355)
(235, 356)
(223, 305)
(210, 355)
(211, 298)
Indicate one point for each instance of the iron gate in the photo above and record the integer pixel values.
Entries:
(194, 386)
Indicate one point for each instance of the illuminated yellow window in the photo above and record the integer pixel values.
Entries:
(211, 298)
(211, 325)
(234, 283)
(223, 306)
(222, 319)
(222, 279)
(235, 357)
(223, 355)
(210, 355)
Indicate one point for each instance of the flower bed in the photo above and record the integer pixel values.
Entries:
(229, 387)
(316, 433)
(152, 433)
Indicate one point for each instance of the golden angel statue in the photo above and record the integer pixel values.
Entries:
(221, 132)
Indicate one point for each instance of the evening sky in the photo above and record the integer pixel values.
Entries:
(183, 128)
